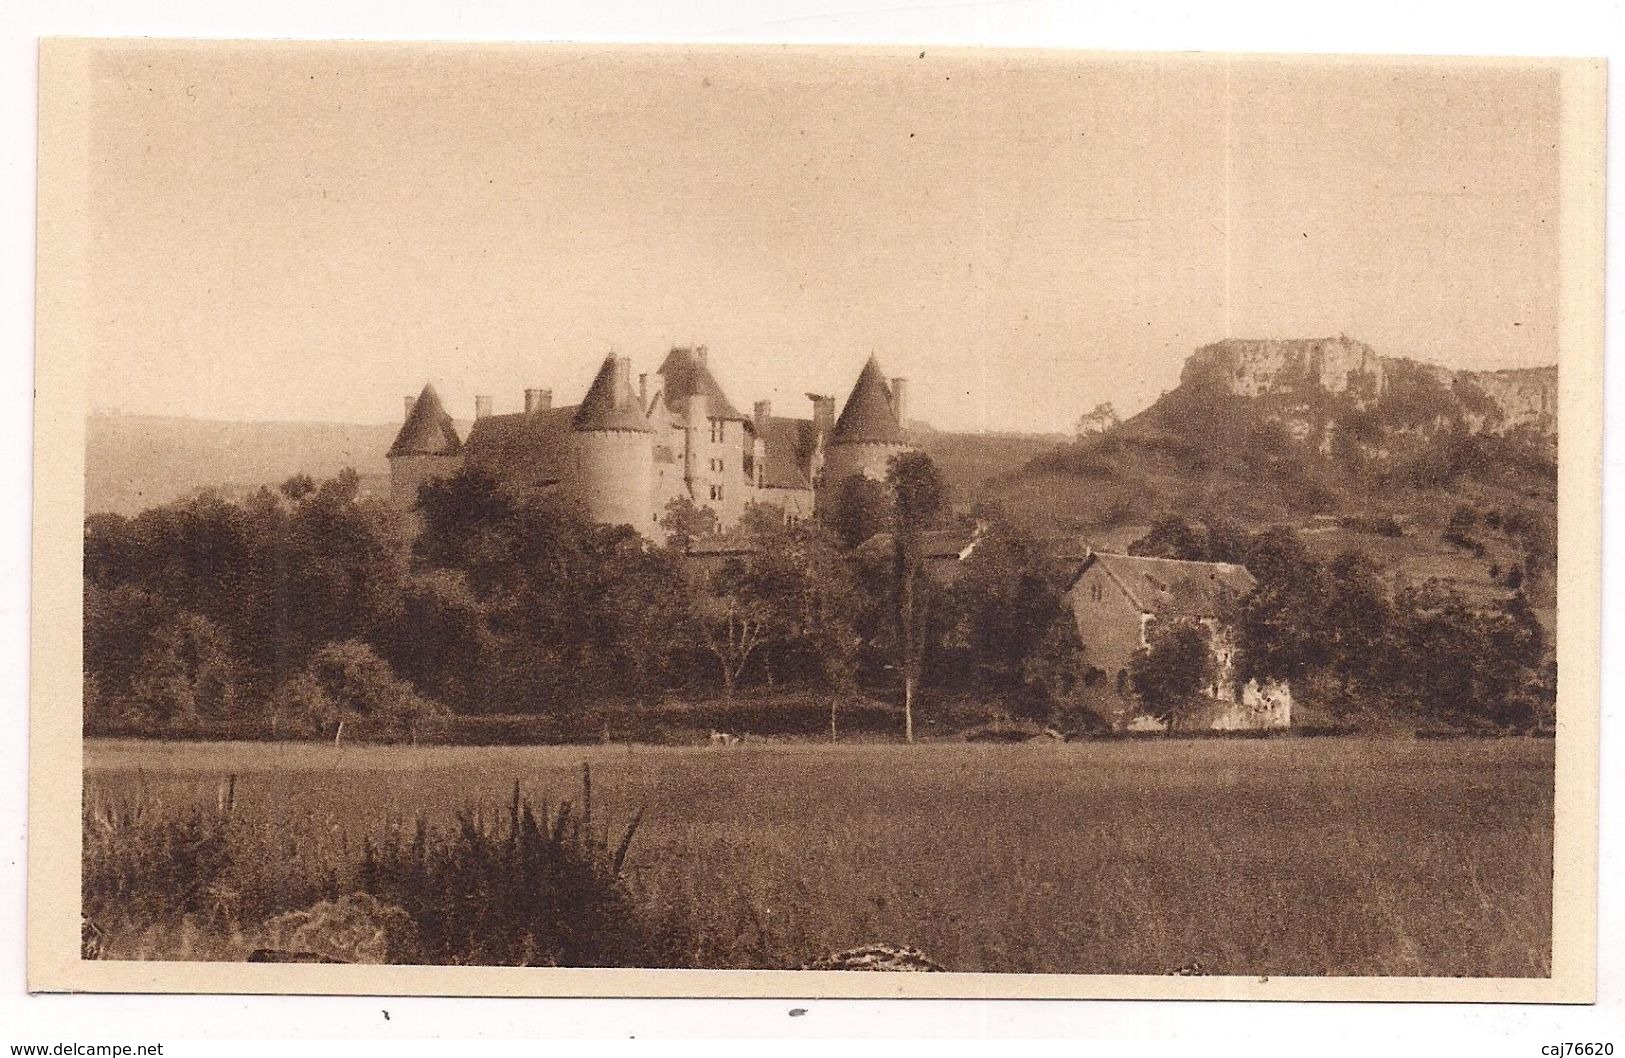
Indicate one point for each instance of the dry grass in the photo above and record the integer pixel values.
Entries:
(1282, 857)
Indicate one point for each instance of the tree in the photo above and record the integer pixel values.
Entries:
(860, 508)
(731, 626)
(439, 638)
(185, 672)
(1356, 618)
(1280, 634)
(1226, 541)
(1054, 671)
(1169, 674)
(999, 610)
(1460, 662)
(685, 522)
(1170, 536)
(1098, 421)
(348, 681)
(119, 625)
(919, 497)
(297, 487)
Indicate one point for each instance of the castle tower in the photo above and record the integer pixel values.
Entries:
(869, 431)
(714, 442)
(613, 442)
(426, 449)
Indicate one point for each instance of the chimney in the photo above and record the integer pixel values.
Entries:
(623, 378)
(538, 400)
(643, 391)
(411, 402)
(899, 400)
(482, 407)
(700, 353)
(764, 411)
(823, 413)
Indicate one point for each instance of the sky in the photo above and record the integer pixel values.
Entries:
(307, 232)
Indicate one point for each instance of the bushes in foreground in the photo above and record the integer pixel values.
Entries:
(534, 886)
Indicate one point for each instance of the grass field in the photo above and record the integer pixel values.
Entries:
(1279, 857)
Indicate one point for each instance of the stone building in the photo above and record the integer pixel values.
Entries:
(1116, 599)
(628, 450)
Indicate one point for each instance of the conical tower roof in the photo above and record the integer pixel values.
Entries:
(611, 403)
(868, 415)
(686, 375)
(428, 431)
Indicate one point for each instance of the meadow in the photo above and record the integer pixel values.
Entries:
(1340, 856)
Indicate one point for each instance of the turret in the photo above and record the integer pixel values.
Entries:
(868, 433)
(426, 448)
(614, 448)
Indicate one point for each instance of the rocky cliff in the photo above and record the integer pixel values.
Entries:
(1299, 374)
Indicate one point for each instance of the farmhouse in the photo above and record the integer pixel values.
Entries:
(1117, 598)
(625, 452)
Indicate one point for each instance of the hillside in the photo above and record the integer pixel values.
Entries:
(1352, 449)
(970, 461)
(133, 462)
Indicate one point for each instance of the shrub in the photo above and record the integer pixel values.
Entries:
(531, 888)
(141, 860)
(348, 681)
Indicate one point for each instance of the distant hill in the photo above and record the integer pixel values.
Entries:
(133, 462)
(969, 462)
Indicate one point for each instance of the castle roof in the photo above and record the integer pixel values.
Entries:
(428, 430)
(787, 453)
(686, 375)
(610, 403)
(1173, 587)
(529, 448)
(868, 415)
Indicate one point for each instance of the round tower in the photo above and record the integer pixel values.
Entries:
(613, 443)
(870, 431)
(426, 449)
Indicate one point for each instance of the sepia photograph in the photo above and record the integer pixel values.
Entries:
(1044, 522)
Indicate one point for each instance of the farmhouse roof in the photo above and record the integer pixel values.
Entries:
(936, 544)
(685, 375)
(610, 403)
(428, 430)
(868, 415)
(1172, 587)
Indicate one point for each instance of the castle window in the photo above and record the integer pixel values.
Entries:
(718, 428)
(716, 492)
(1096, 592)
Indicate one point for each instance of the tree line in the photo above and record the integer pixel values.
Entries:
(1349, 639)
(313, 611)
